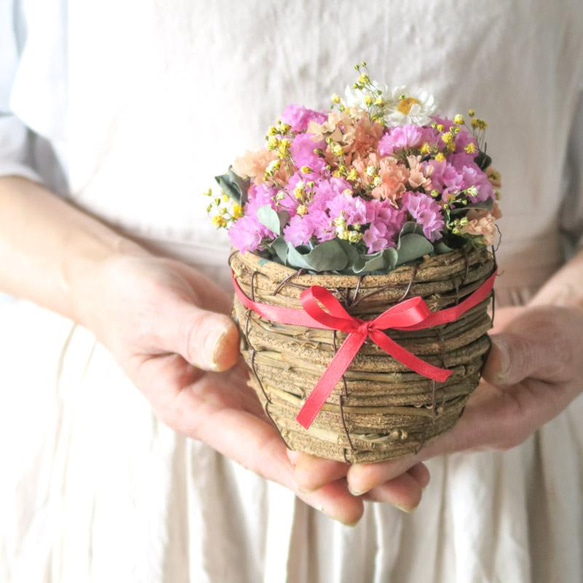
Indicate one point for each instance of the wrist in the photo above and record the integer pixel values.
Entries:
(85, 272)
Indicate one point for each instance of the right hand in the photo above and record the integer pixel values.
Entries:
(167, 326)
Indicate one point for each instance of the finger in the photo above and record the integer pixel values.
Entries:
(364, 477)
(484, 422)
(336, 502)
(254, 443)
(404, 492)
(513, 358)
(207, 340)
(312, 473)
(421, 474)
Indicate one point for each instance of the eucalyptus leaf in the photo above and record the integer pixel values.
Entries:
(486, 204)
(383, 261)
(411, 227)
(327, 256)
(411, 247)
(483, 160)
(269, 218)
(279, 247)
(356, 259)
(234, 186)
(440, 247)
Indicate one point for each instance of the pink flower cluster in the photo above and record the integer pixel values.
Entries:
(343, 174)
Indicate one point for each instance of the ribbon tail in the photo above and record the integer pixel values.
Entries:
(330, 378)
(408, 359)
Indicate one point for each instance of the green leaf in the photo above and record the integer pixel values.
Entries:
(269, 218)
(356, 259)
(483, 160)
(233, 185)
(279, 248)
(486, 204)
(411, 227)
(440, 247)
(412, 247)
(382, 261)
(327, 256)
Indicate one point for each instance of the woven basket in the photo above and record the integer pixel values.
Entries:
(381, 409)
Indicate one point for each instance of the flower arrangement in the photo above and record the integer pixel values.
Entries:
(361, 269)
(378, 181)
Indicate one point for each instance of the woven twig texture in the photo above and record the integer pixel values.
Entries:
(381, 409)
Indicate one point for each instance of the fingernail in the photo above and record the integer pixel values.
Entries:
(344, 522)
(504, 356)
(213, 346)
(355, 492)
(405, 509)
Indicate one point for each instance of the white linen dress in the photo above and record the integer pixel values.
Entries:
(129, 108)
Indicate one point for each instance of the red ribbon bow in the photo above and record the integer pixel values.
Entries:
(411, 314)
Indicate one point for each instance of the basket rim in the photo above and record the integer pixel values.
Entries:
(416, 271)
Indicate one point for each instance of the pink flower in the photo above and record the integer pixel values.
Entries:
(259, 195)
(298, 117)
(352, 209)
(299, 231)
(472, 175)
(302, 151)
(386, 223)
(426, 212)
(326, 190)
(376, 238)
(247, 233)
(400, 138)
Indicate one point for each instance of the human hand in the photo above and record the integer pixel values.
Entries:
(167, 326)
(533, 372)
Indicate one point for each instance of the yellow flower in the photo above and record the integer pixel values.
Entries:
(364, 79)
(335, 98)
(439, 127)
(368, 100)
(354, 236)
(337, 149)
(459, 119)
(305, 169)
(272, 143)
(302, 210)
(471, 112)
(219, 221)
(447, 138)
(439, 157)
(470, 148)
(237, 211)
(352, 175)
(425, 148)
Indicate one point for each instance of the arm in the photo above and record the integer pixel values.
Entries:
(165, 323)
(46, 245)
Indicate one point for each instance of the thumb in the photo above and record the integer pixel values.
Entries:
(207, 340)
(513, 358)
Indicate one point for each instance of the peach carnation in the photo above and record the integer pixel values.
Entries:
(394, 176)
(253, 164)
(482, 222)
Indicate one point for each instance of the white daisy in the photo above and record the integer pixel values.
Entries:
(409, 106)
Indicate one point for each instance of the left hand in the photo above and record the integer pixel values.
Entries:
(533, 372)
